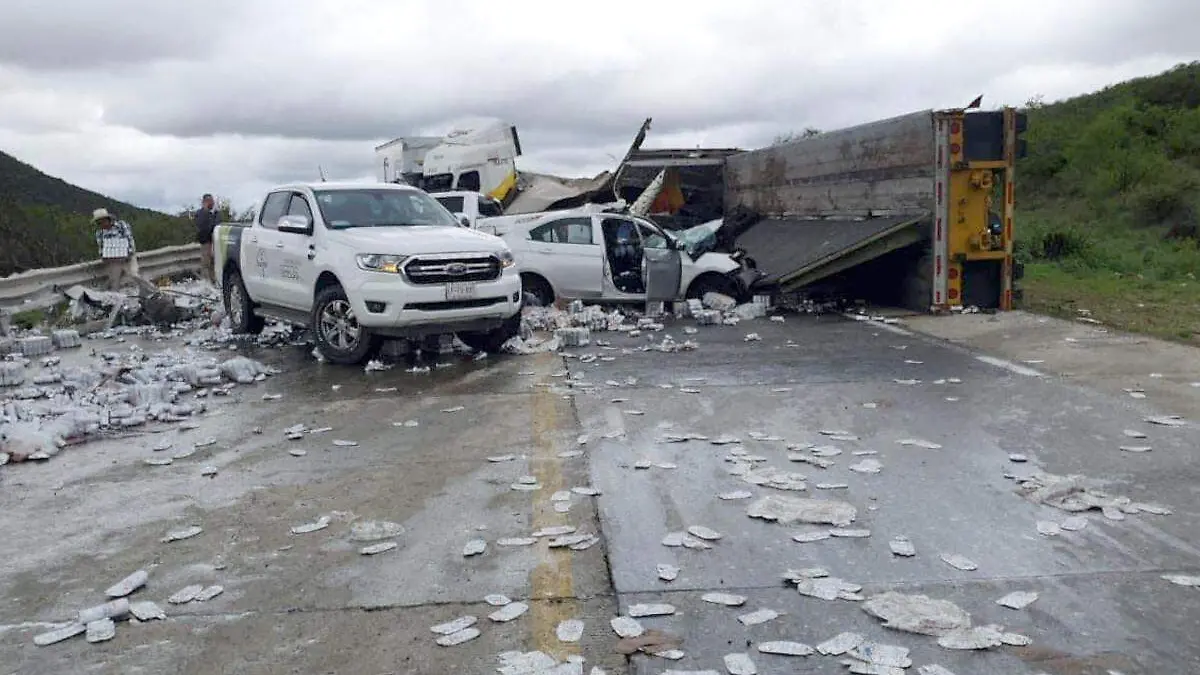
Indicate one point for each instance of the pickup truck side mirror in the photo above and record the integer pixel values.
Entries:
(463, 220)
(294, 224)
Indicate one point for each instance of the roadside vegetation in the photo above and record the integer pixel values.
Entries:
(1109, 206)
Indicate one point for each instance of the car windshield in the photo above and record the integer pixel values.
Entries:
(381, 207)
(452, 204)
(700, 239)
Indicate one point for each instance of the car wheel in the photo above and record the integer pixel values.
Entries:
(711, 283)
(339, 336)
(491, 341)
(539, 288)
(239, 308)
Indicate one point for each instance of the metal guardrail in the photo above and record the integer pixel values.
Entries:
(39, 288)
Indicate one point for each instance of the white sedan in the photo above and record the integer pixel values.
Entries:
(613, 257)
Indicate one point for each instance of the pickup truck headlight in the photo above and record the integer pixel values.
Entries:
(379, 262)
(506, 259)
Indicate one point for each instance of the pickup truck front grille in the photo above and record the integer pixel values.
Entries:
(430, 271)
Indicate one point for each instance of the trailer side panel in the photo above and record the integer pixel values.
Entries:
(881, 167)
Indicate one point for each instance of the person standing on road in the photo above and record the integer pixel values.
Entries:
(117, 248)
(206, 221)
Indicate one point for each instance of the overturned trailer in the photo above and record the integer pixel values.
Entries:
(916, 210)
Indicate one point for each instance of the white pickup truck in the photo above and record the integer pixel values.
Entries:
(469, 207)
(361, 262)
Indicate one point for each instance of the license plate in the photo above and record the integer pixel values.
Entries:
(460, 290)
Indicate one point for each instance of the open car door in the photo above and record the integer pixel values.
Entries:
(663, 268)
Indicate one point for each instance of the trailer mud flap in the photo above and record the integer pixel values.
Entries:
(794, 253)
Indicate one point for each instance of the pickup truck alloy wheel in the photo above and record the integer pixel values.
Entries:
(339, 327)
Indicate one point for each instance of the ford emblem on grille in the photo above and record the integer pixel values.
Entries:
(456, 269)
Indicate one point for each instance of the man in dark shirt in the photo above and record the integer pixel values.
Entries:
(207, 219)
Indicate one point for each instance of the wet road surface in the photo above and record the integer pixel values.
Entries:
(310, 603)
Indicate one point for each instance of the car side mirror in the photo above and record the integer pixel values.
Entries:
(463, 219)
(294, 224)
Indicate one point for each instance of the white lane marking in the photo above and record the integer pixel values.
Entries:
(1010, 366)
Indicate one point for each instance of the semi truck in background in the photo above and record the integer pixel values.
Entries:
(915, 211)
(477, 155)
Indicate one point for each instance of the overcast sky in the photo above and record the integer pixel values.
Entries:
(156, 102)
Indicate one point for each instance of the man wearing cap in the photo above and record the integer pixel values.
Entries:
(206, 221)
(117, 249)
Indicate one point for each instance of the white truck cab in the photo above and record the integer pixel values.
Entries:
(591, 254)
(360, 262)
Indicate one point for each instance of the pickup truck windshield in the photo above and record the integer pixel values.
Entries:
(377, 207)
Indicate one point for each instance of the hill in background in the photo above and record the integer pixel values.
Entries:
(46, 222)
(1109, 205)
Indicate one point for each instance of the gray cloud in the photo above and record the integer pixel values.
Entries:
(165, 100)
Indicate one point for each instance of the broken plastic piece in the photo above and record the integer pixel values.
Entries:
(461, 623)
(979, 637)
(667, 572)
(209, 593)
(497, 600)
(320, 524)
(902, 546)
(183, 533)
(641, 610)
(101, 630)
(474, 547)
(59, 634)
(109, 610)
(570, 630)
(626, 627)
(706, 533)
(128, 585)
(455, 639)
(146, 610)
(509, 612)
(785, 510)
(916, 613)
(840, 644)
(785, 648)
(374, 530)
(185, 594)
(758, 616)
(740, 664)
(726, 599)
(1018, 599)
(375, 549)
(959, 562)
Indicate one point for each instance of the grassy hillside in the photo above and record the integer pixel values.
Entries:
(1109, 205)
(45, 222)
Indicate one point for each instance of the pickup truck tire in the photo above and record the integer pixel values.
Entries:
(238, 306)
(339, 337)
(491, 341)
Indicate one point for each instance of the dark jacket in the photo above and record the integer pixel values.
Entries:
(205, 222)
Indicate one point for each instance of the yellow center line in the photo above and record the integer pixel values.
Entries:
(552, 583)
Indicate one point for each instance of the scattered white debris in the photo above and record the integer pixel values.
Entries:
(726, 599)
(759, 616)
(341, 443)
(810, 537)
(840, 644)
(1048, 528)
(1018, 458)
(902, 546)
(871, 658)
(916, 442)
(959, 562)
(569, 631)
(1167, 420)
(516, 541)
(65, 632)
(585, 490)
(500, 459)
(785, 648)
(375, 549)
(916, 613)
(185, 594)
(786, 510)
(1138, 449)
(848, 533)
(146, 610)
(474, 547)
(978, 637)
(101, 630)
(297, 452)
(667, 572)
(706, 533)
(454, 409)
(512, 610)
(461, 623)
(642, 610)
(184, 533)
(455, 639)
(1018, 599)
(1074, 523)
(740, 664)
(209, 593)
(128, 585)
(933, 669)
(497, 600)
(868, 465)
(319, 524)
(626, 627)
(1183, 580)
